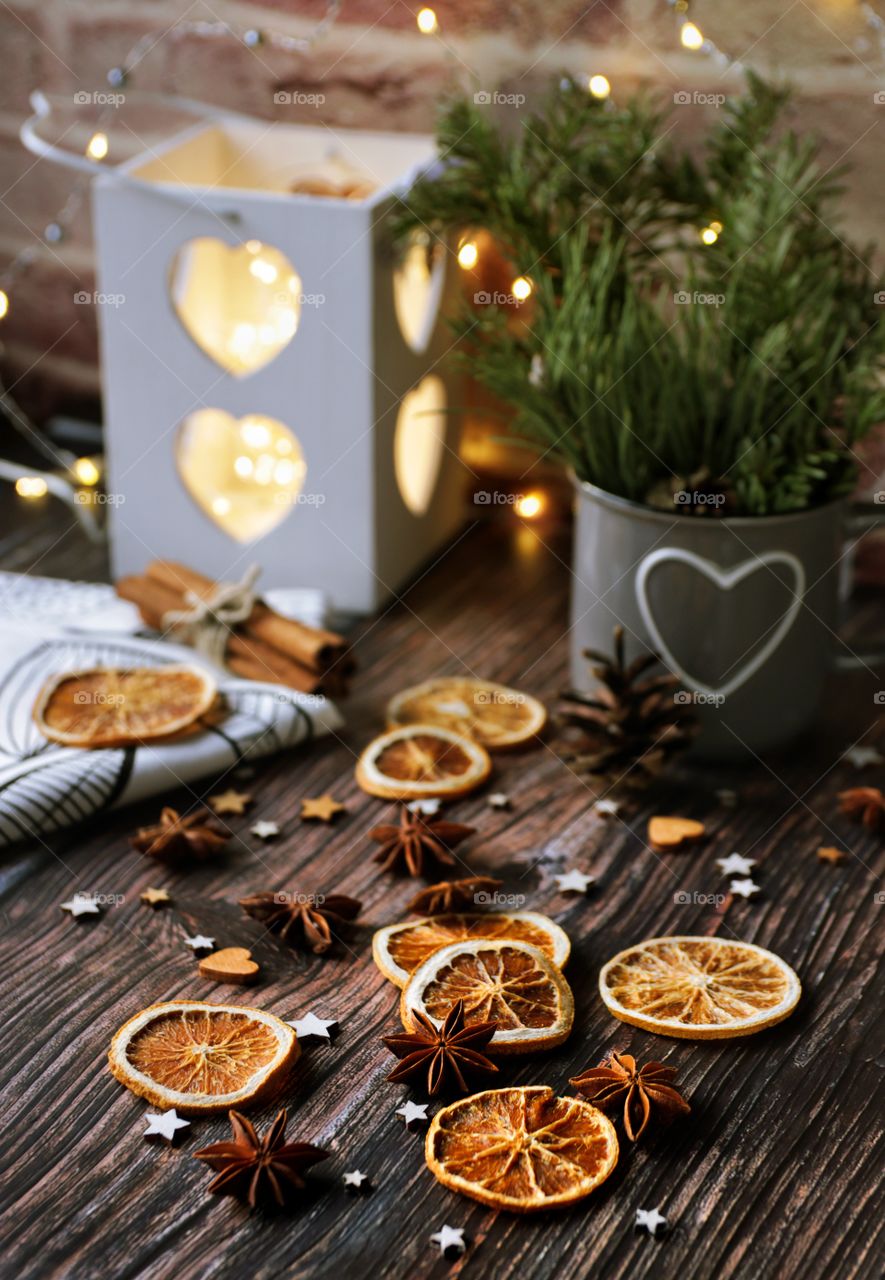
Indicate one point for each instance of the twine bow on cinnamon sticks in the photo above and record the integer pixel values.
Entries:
(233, 627)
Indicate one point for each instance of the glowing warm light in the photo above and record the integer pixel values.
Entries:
(255, 434)
(262, 270)
(716, 226)
(221, 506)
(691, 36)
(599, 87)
(31, 487)
(709, 235)
(529, 506)
(427, 22)
(521, 288)
(243, 466)
(254, 246)
(86, 471)
(419, 443)
(4, 303)
(468, 255)
(98, 146)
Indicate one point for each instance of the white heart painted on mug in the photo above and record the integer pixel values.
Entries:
(725, 580)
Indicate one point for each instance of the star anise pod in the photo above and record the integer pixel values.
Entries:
(174, 836)
(305, 920)
(455, 895)
(644, 1091)
(418, 844)
(864, 804)
(260, 1170)
(448, 1055)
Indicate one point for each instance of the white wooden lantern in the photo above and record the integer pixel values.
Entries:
(273, 389)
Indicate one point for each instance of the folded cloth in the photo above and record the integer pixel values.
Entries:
(45, 787)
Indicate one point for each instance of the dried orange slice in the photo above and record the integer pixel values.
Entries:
(491, 714)
(699, 988)
(510, 981)
(420, 760)
(400, 948)
(112, 707)
(201, 1057)
(522, 1148)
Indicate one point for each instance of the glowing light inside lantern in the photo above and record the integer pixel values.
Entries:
(427, 22)
(529, 506)
(418, 280)
(4, 303)
(419, 442)
(468, 255)
(599, 87)
(521, 288)
(86, 471)
(97, 147)
(31, 487)
(691, 36)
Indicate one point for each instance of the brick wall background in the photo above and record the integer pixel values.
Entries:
(376, 70)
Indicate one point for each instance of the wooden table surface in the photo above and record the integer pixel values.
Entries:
(774, 1174)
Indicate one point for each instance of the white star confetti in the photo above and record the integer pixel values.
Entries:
(735, 865)
(498, 800)
(427, 807)
(650, 1219)
(860, 757)
(82, 904)
(265, 830)
(727, 798)
(354, 1181)
(413, 1113)
(199, 942)
(607, 808)
(450, 1240)
(311, 1025)
(164, 1124)
(573, 882)
(744, 888)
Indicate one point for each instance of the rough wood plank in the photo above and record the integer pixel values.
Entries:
(774, 1173)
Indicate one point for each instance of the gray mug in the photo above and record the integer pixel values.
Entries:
(745, 611)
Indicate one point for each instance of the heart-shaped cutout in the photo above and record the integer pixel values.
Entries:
(419, 441)
(672, 833)
(725, 579)
(418, 282)
(245, 473)
(239, 303)
(231, 964)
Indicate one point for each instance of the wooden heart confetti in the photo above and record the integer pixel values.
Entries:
(665, 834)
(230, 964)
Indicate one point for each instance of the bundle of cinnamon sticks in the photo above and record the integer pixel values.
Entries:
(265, 647)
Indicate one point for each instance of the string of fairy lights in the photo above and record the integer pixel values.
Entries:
(71, 475)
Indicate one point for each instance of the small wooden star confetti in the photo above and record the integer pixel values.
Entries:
(414, 1113)
(429, 807)
(499, 800)
(735, 865)
(265, 830)
(199, 942)
(311, 1025)
(828, 853)
(354, 1181)
(607, 808)
(450, 1240)
(727, 798)
(155, 897)
(650, 1220)
(860, 757)
(573, 882)
(230, 801)
(744, 888)
(324, 808)
(164, 1124)
(82, 904)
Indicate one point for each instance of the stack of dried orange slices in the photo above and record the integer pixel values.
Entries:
(439, 737)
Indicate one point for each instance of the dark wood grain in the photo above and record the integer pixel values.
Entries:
(774, 1174)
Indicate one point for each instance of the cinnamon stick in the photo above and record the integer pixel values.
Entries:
(313, 647)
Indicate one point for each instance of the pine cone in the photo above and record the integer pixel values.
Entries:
(631, 726)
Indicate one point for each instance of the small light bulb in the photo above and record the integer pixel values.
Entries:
(521, 288)
(86, 471)
(98, 146)
(468, 255)
(691, 36)
(427, 22)
(529, 506)
(599, 87)
(709, 235)
(31, 487)
(4, 303)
